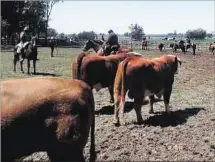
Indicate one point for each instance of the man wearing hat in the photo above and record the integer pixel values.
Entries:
(111, 44)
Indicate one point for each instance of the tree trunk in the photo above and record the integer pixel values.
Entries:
(46, 33)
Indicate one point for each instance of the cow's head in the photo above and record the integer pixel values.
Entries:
(173, 62)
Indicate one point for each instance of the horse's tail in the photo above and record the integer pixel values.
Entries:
(79, 62)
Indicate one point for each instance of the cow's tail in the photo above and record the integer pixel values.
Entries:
(124, 67)
(119, 86)
(79, 62)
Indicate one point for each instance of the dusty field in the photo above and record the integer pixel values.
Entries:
(188, 134)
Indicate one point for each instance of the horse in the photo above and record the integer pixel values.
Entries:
(181, 45)
(29, 52)
(187, 46)
(97, 46)
(211, 48)
(160, 46)
(144, 44)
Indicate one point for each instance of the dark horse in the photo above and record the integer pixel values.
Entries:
(160, 46)
(30, 53)
(144, 44)
(97, 45)
(181, 45)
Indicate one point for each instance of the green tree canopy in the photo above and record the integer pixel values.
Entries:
(85, 35)
(196, 34)
(137, 32)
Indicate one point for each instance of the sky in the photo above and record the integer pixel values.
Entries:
(156, 17)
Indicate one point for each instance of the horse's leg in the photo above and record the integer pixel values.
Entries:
(28, 66)
(52, 51)
(21, 63)
(34, 64)
(14, 63)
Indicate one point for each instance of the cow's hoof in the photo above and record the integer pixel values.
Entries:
(116, 123)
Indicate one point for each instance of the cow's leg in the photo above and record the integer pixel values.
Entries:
(166, 96)
(34, 65)
(119, 106)
(21, 64)
(152, 100)
(28, 64)
(65, 152)
(137, 108)
(111, 94)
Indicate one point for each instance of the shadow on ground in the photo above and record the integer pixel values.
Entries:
(109, 110)
(46, 74)
(175, 118)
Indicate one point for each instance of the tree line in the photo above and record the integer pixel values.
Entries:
(16, 14)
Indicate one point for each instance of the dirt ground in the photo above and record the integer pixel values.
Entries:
(187, 134)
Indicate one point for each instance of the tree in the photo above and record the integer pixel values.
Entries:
(62, 36)
(85, 35)
(52, 32)
(34, 14)
(136, 32)
(209, 35)
(11, 12)
(49, 5)
(127, 34)
(20, 13)
(175, 33)
(196, 34)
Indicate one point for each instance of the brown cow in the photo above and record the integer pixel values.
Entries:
(98, 71)
(143, 77)
(46, 114)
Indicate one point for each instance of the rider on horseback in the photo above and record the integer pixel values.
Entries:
(24, 39)
(111, 45)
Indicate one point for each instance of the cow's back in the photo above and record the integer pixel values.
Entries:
(43, 114)
(144, 74)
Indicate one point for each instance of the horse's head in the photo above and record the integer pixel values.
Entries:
(91, 44)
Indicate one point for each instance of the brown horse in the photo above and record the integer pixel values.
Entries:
(211, 48)
(29, 53)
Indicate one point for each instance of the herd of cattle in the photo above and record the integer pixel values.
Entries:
(56, 115)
